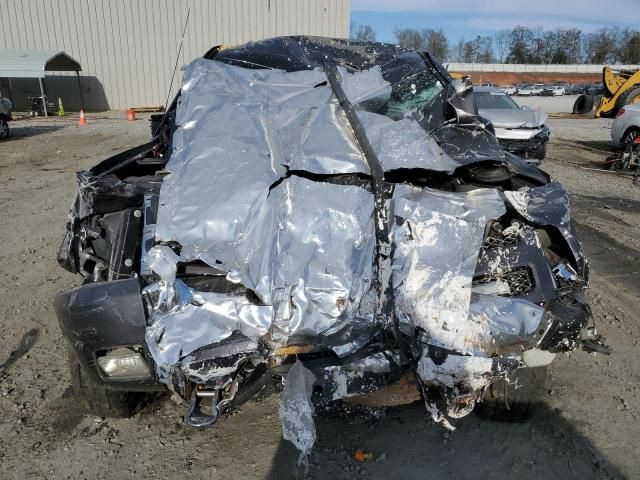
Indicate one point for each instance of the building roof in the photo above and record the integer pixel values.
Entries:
(35, 63)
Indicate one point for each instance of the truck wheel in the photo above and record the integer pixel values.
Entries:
(583, 104)
(4, 128)
(101, 401)
(514, 402)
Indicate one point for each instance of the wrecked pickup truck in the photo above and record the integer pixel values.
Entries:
(330, 213)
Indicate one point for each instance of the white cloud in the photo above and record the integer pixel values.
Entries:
(574, 11)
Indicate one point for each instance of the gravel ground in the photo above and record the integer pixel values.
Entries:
(588, 426)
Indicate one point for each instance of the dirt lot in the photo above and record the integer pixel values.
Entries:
(589, 426)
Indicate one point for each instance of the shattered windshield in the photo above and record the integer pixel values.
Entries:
(412, 83)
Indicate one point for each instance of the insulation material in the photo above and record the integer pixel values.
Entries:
(296, 410)
(465, 373)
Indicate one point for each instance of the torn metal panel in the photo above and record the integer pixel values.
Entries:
(469, 144)
(437, 241)
(404, 144)
(366, 88)
(309, 255)
(504, 322)
(184, 321)
(545, 205)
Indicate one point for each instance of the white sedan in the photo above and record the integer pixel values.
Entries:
(509, 89)
(536, 89)
(553, 91)
(626, 126)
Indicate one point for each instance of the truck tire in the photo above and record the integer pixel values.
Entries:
(4, 128)
(515, 401)
(583, 104)
(98, 399)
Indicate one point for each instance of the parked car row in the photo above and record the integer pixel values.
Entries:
(550, 90)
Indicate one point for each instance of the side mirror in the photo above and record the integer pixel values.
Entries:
(525, 107)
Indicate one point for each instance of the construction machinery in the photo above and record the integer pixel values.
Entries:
(621, 87)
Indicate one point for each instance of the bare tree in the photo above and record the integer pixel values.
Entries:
(409, 38)
(436, 42)
(457, 51)
(601, 46)
(520, 39)
(501, 39)
(628, 46)
(363, 33)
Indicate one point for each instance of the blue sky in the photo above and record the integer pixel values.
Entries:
(465, 18)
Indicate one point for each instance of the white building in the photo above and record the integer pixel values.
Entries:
(128, 48)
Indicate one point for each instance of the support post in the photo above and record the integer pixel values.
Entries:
(80, 90)
(44, 102)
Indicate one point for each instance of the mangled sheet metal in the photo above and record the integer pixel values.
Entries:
(304, 246)
(269, 185)
(326, 216)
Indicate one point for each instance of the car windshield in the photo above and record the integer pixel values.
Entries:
(495, 101)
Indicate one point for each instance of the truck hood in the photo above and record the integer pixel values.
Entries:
(502, 118)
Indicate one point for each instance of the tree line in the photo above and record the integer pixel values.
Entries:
(533, 45)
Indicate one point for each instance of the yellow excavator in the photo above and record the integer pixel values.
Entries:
(621, 87)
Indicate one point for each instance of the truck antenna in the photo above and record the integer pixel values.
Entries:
(175, 67)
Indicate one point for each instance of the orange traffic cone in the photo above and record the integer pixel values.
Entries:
(83, 120)
(131, 114)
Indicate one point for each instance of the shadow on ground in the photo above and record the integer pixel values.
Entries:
(603, 146)
(407, 445)
(24, 131)
(26, 343)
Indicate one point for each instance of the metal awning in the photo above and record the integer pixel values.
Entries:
(35, 63)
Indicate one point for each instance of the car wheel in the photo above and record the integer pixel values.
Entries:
(4, 128)
(98, 399)
(630, 135)
(516, 400)
(583, 104)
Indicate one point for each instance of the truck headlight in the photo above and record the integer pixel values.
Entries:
(124, 364)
